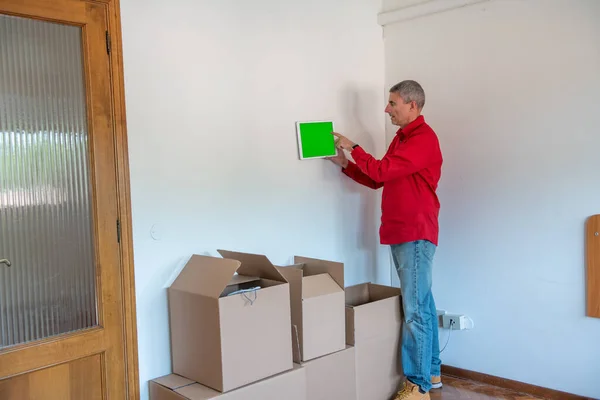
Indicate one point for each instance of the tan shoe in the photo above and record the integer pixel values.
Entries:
(436, 382)
(410, 391)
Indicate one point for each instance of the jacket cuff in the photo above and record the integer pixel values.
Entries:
(358, 153)
(350, 169)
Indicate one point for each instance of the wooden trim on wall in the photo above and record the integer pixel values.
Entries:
(592, 275)
(124, 199)
(509, 384)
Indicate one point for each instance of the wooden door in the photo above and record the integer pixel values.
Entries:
(66, 307)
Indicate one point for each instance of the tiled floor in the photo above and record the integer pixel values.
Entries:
(455, 389)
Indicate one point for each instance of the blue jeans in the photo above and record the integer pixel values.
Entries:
(420, 348)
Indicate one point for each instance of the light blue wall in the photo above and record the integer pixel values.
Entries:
(514, 92)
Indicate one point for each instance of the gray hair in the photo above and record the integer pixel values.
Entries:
(410, 91)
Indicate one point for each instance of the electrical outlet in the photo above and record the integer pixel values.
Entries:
(440, 317)
(454, 321)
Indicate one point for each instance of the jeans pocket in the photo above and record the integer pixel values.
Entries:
(427, 248)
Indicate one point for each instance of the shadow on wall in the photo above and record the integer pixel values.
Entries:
(357, 111)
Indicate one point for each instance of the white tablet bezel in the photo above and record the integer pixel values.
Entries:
(299, 139)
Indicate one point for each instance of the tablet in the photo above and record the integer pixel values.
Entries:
(315, 139)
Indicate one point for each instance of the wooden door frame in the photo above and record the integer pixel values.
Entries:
(124, 198)
(117, 92)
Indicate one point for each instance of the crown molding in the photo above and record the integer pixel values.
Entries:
(422, 9)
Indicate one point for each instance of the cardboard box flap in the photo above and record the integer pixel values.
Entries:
(292, 275)
(365, 293)
(319, 285)
(350, 328)
(197, 392)
(173, 381)
(254, 265)
(379, 292)
(357, 295)
(279, 383)
(239, 279)
(314, 266)
(206, 275)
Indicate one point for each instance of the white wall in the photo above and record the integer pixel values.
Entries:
(391, 5)
(213, 91)
(514, 94)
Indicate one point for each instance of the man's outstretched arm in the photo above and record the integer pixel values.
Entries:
(412, 156)
(352, 171)
(357, 175)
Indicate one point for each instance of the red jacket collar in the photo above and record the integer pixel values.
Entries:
(409, 129)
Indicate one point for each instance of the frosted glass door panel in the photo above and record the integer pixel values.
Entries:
(47, 258)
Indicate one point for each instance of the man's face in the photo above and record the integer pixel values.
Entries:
(400, 113)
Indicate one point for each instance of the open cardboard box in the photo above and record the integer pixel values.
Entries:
(229, 330)
(373, 324)
(290, 385)
(317, 301)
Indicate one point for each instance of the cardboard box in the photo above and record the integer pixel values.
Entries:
(318, 307)
(332, 376)
(225, 340)
(289, 385)
(373, 324)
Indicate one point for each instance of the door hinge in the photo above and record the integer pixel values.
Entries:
(108, 44)
(118, 231)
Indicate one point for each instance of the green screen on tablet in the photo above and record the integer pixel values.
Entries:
(315, 139)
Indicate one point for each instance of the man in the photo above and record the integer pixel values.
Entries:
(409, 174)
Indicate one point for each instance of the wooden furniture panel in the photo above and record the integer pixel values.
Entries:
(593, 266)
(77, 380)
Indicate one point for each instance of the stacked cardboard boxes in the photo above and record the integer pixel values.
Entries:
(245, 329)
(289, 386)
(373, 323)
(319, 327)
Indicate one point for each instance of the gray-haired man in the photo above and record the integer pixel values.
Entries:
(409, 174)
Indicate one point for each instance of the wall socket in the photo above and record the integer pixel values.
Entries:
(440, 316)
(455, 322)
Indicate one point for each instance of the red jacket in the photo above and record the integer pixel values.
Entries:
(409, 174)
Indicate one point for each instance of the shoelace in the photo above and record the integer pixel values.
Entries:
(403, 394)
